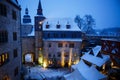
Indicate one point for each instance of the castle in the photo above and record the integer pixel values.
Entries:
(56, 42)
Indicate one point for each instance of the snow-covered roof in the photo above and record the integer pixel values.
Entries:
(52, 22)
(93, 74)
(94, 59)
(84, 72)
(96, 50)
(81, 66)
(75, 75)
(53, 39)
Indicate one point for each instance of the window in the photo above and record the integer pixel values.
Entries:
(60, 45)
(15, 53)
(4, 57)
(49, 45)
(16, 71)
(3, 36)
(63, 35)
(67, 26)
(55, 35)
(47, 26)
(14, 36)
(48, 35)
(49, 55)
(73, 35)
(58, 54)
(3, 10)
(58, 26)
(14, 15)
(71, 45)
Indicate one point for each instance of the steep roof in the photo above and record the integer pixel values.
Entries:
(84, 72)
(53, 22)
(95, 59)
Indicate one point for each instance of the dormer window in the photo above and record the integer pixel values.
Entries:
(58, 25)
(47, 25)
(68, 25)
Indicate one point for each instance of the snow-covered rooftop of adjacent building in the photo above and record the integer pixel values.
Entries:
(52, 22)
(53, 39)
(84, 72)
(94, 59)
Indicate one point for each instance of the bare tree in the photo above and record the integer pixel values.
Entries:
(79, 21)
(89, 23)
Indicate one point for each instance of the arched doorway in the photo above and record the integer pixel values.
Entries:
(28, 57)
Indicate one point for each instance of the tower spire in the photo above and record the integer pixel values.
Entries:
(26, 17)
(39, 10)
(26, 11)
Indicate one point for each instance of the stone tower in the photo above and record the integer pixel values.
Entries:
(39, 18)
(26, 27)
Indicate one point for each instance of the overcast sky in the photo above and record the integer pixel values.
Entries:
(105, 12)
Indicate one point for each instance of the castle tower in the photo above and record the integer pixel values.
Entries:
(39, 18)
(26, 27)
(26, 17)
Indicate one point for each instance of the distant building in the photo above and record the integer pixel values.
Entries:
(10, 43)
(111, 47)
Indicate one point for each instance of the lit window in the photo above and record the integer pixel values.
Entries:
(3, 57)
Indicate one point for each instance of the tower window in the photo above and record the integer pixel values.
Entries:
(3, 10)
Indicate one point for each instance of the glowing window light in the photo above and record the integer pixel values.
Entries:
(62, 59)
(70, 57)
(3, 58)
(45, 64)
(40, 60)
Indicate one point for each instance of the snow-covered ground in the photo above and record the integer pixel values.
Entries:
(39, 73)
